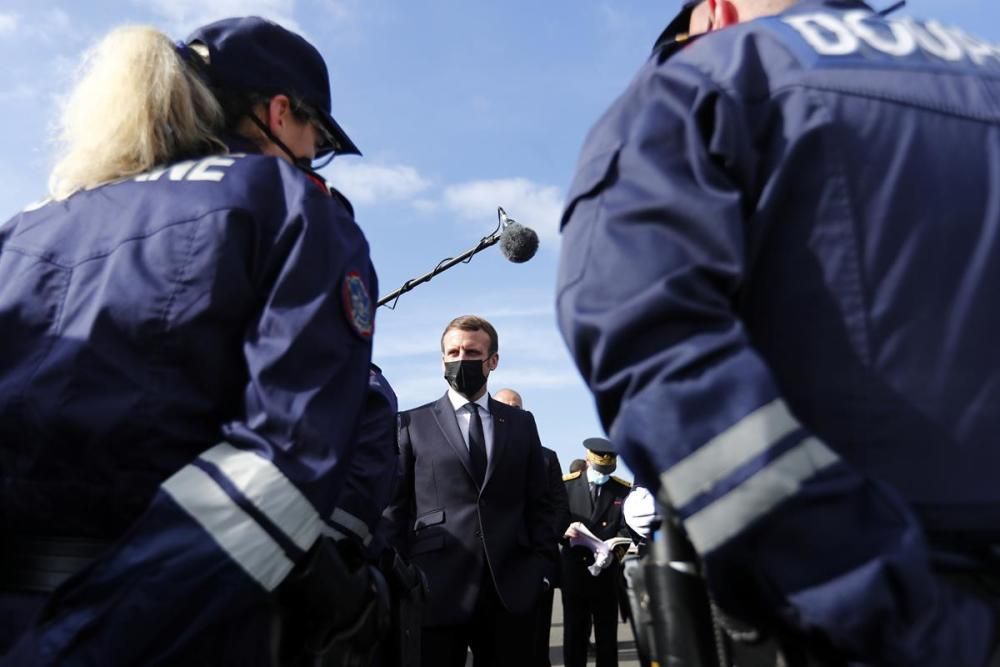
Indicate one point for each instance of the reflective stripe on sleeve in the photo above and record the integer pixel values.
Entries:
(352, 523)
(715, 524)
(264, 485)
(726, 452)
(232, 529)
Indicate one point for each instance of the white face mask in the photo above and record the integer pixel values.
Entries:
(597, 478)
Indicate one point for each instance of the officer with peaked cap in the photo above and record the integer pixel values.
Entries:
(595, 500)
(187, 334)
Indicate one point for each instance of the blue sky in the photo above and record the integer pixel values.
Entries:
(458, 106)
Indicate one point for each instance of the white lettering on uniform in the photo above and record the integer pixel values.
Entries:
(180, 170)
(151, 175)
(830, 35)
(827, 35)
(933, 38)
(177, 172)
(902, 43)
(978, 51)
(211, 168)
(202, 171)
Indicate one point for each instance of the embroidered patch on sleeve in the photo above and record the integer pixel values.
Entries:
(358, 305)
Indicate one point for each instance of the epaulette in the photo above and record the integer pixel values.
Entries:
(621, 481)
(572, 475)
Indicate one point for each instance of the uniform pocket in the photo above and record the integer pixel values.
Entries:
(593, 172)
(582, 204)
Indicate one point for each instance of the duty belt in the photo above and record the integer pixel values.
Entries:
(41, 564)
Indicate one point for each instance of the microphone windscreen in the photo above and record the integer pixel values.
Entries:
(518, 243)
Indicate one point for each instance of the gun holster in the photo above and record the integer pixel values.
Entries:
(333, 608)
(677, 624)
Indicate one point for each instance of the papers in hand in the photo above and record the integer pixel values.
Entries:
(580, 536)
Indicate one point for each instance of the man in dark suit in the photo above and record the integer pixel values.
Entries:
(558, 502)
(470, 511)
(595, 500)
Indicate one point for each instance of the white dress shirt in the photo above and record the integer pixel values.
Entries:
(463, 415)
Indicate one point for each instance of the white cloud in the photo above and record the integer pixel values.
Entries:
(365, 183)
(426, 205)
(417, 389)
(532, 205)
(8, 23)
(539, 378)
(49, 26)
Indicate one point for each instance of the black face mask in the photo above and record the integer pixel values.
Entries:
(466, 377)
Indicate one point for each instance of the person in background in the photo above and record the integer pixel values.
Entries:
(595, 500)
(187, 332)
(558, 503)
(577, 465)
(471, 511)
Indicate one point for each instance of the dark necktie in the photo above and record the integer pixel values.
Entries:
(595, 492)
(477, 444)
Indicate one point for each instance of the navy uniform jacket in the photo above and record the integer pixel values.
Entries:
(185, 356)
(374, 469)
(780, 253)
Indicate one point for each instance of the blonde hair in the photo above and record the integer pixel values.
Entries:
(136, 105)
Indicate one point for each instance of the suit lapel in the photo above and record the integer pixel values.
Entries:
(501, 429)
(444, 413)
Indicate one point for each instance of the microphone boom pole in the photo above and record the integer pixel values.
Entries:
(483, 244)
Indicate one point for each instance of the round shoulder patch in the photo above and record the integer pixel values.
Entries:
(358, 305)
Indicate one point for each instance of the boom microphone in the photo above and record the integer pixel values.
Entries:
(517, 242)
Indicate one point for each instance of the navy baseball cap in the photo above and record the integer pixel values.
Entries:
(256, 55)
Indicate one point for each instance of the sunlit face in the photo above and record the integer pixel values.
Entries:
(299, 130)
(460, 345)
(301, 137)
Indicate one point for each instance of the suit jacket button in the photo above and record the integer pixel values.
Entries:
(603, 523)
